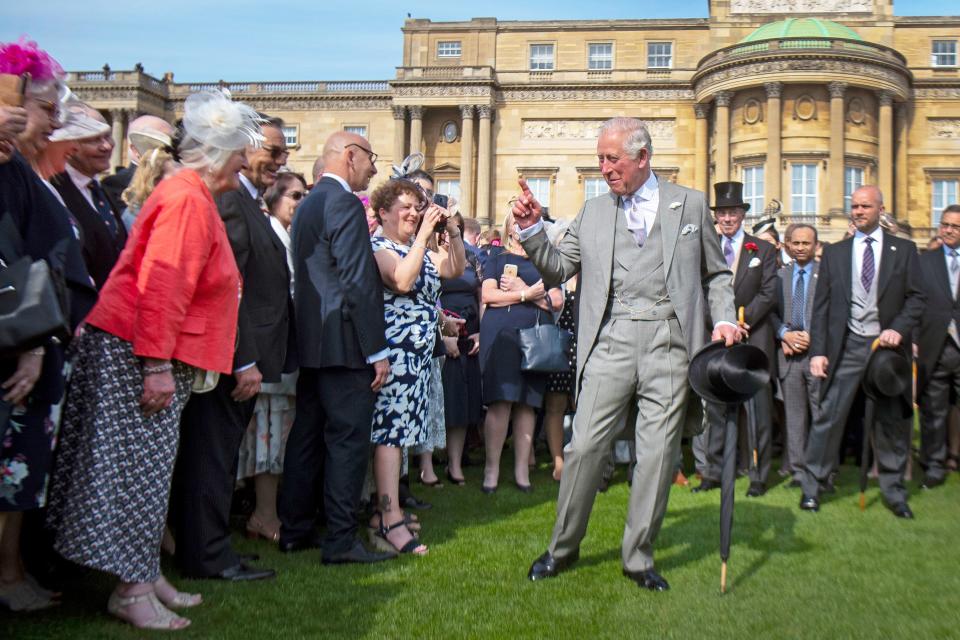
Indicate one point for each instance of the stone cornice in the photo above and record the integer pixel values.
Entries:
(526, 93)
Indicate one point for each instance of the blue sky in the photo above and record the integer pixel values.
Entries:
(200, 40)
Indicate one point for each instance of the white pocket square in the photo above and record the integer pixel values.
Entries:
(690, 228)
(754, 262)
(676, 205)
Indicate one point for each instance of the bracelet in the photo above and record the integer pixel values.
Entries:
(160, 368)
(418, 245)
(523, 296)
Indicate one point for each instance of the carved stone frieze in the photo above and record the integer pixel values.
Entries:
(944, 128)
(937, 92)
(537, 95)
(857, 69)
(442, 91)
(660, 129)
(309, 104)
(801, 6)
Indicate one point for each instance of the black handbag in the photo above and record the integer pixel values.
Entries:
(31, 309)
(544, 348)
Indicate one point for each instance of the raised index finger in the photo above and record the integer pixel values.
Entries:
(523, 187)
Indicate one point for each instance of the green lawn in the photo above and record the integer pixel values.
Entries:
(836, 574)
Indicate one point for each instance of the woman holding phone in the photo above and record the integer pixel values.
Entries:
(515, 298)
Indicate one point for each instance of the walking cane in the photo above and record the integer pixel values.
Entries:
(751, 412)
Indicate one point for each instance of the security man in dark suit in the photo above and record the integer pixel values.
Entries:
(343, 356)
(754, 263)
(938, 371)
(213, 424)
(868, 289)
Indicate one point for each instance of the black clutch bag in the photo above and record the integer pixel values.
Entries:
(544, 348)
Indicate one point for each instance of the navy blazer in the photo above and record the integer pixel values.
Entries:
(941, 309)
(338, 294)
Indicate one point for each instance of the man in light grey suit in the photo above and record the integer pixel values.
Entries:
(649, 264)
(798, 282)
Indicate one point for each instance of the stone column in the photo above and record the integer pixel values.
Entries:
(701, 149)
(466, 160)
(885, 159)
(484, 158)
(399, 134)
(900, 197)
(416, 129)
(722, 116)
(119, 137)
(774, 173)
(835, 171)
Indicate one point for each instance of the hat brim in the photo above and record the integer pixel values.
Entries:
(743, 205)
(897, 378)
(747, 366)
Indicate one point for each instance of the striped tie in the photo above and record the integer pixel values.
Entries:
(868, 268)
(799, 298)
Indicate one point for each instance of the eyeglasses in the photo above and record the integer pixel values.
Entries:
(296, 196)
(276, 152)
(373, 156)
(950, 227)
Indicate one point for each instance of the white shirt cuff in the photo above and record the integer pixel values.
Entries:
(379, 355)
(244, 367)
(530, 231)
(724, 322)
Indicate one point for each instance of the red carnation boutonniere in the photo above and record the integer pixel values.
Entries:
(751, 247)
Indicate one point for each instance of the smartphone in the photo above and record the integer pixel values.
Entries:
(510, 270)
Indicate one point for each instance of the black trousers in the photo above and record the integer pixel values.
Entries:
(211, 430)
(941, 391)
(330, 435)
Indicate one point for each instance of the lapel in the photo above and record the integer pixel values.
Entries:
(886, 264)
(845, 257)
(943, 278)
(669, 221)
(786, 287)
(606, 230)
(813, 268)
(743, 261)
(259, 218)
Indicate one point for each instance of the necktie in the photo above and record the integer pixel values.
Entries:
(103, 207)
(799, 298)
(868, 267)
(954, 268)
(728, 251)
(631, 208)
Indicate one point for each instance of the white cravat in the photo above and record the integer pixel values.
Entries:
(641, 207)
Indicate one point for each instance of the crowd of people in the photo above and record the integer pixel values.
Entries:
(233, 323)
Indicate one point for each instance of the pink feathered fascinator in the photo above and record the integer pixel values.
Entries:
(24, 56)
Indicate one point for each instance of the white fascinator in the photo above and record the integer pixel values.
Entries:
(76, 123)
(213, 119)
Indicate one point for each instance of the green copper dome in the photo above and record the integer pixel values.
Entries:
(802, 28)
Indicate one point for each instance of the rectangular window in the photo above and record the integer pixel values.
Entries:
(753, 190)
(944, 195)
(449, 187)
(291, 134)
(659, 55)
(541, 57)
(593, 187)
(803, 191)
(944, 53)
(852, 180)
(448, 49)
(540, 188)
(600, 56)
(359, 129)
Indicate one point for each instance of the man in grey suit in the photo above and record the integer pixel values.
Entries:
(649, 264)
(797, 287)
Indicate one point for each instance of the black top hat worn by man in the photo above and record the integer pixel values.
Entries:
(754, 265)
(868, 289)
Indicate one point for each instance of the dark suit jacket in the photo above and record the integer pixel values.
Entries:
(755, 289)
(100, 249)
(941, 309)
(338, 293)
(115, 185)
(900, 300)
(264, 333)
(784, 312)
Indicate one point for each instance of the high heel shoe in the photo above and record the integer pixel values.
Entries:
(413, 545)
(457, 481)
(436, 483)
(488, 490)
(525, 488)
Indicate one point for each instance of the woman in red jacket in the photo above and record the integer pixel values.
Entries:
(168, 310)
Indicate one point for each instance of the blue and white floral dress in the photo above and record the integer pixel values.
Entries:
(399, 417)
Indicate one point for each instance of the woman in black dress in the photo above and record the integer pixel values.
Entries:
(515, 297)
(559, 397)
(462, 402)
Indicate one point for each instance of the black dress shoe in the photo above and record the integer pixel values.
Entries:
(243, 573)
(357, 554)
(809, 503)
(901, 510)
(488, 490)
(303, 544)
(706, 485)
(525, 488)
(756, 490)
(649, 579)
(546, 566)
(932, 481)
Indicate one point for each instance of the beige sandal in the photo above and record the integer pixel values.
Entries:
(180, 600)
(164, 619)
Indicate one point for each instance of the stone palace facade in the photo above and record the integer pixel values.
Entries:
(802, 100)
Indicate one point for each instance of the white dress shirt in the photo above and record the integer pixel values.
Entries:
(82, 183)
(858, 247)
(736, 241)
(640, 207)
(951, 276)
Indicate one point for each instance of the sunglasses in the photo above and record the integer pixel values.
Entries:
(296, 196)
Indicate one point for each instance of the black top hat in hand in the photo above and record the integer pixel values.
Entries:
(888, 373)
(729, 194)
(728, 374)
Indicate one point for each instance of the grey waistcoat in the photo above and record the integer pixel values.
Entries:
(864, 317)
(638, 278)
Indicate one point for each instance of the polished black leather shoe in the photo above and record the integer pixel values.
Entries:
(546, 566)
(902, 510)
(357, 554)
(303, 544)
(649, 579)
(756, 490)
(706, 485)
(244, 573)
(809, 503)
(931, 482)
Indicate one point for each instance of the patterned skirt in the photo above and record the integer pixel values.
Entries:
(436, 423)
(111, 480)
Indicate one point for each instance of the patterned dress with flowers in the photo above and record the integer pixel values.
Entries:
(399, 417)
